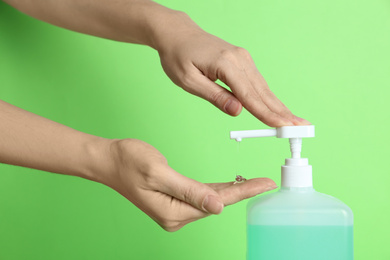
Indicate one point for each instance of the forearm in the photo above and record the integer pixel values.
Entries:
(134, 21)
(32, 141)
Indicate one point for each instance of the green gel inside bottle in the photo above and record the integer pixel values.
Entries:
(300, 242)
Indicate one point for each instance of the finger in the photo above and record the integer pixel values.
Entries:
(203, 87)
(270, 99)
(242, 88)
(223, 185)
(195, 193)
(233, 193)
(169, 212)
(301, 121)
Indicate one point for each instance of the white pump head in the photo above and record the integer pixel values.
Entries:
(296, 172)
(301, 131)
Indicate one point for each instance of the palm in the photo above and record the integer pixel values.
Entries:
(169, 198)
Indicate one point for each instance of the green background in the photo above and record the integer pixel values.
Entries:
(328, 61)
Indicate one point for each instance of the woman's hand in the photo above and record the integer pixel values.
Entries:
(133, 168)
(191, 57)
(142, 175)
(195, 59)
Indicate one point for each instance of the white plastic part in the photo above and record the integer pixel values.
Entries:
(302, 131)
(238, 135)
(296, 172)
(295, 147)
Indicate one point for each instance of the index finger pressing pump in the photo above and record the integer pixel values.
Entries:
(296, 222)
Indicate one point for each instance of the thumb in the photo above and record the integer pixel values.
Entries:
(197, 194)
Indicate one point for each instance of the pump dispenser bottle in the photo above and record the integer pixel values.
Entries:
(296, 222)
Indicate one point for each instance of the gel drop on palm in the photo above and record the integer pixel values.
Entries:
(296, 222)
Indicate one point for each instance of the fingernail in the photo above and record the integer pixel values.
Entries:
(301, 120)
(212, 204)
(287, 123)
(271, 188)
(232, 107)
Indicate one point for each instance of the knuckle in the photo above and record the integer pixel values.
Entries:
(153, 172)
(220, 62)
(262, 92)
(149, 175)
(173, 228)
(242, 52)
(227, 55)
(217, 97)
(194, 195)
(251, 97)
(187, 80)
(188, 194)
(233, 55)
(169, 225)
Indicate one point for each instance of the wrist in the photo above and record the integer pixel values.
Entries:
(168, 27)
(99, 165)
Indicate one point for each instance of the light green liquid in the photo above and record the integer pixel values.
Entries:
(300, 242)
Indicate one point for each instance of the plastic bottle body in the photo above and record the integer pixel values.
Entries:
(299, 223)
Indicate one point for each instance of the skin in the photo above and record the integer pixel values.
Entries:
(194, 60)
(133, 168)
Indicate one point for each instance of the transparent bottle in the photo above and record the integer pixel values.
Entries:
(297, 222)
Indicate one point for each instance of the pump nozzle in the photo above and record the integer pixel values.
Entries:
(280, 132)
(294, 133)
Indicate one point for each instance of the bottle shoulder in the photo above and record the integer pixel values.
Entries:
(296, 199)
